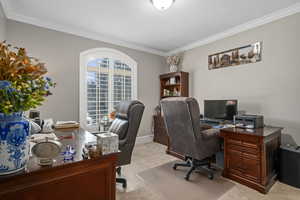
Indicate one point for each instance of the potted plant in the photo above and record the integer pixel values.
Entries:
(23, 86)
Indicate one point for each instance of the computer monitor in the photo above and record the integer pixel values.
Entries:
(220, 109)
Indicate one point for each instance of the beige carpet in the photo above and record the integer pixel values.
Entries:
(172, 185)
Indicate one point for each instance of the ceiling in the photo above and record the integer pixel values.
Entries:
(137, 24)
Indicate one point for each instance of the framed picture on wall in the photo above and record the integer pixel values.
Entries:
(234, 57)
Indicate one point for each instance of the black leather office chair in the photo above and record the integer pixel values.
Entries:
(187, 136)
(128, 118)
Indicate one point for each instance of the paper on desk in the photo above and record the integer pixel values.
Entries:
(40, 137)
(66, 122)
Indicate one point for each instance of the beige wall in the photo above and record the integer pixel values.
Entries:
(2, 24)
(61, 51)
(270, 87)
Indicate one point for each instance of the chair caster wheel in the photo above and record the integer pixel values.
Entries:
(211, 176)
(187, 178)
(122, 181)
(174, 167)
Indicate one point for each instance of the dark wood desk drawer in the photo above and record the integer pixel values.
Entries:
(234, 142)
(244, 149)
(243, 138)
(244, 146)
(251, 169)
(242, 142)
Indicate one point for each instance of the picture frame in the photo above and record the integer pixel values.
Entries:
(234, 57)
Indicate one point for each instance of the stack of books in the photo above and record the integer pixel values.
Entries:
(66, 124)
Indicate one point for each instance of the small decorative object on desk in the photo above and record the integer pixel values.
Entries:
(69, 153)
(34, 127)
(46, 149)
(33, 114)
(108, 142)
(94, 152)
(173, 62)
(91, 150)
(22, 87)
(105, 123)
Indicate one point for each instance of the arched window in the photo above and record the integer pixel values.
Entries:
(107, 76)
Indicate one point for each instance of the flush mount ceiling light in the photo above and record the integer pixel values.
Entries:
(162, 4)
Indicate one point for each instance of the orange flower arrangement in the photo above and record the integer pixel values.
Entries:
(22, 82)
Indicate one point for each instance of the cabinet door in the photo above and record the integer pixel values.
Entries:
(251, 169)
(234, 161)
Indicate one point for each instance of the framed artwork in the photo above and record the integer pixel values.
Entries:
(243, 55)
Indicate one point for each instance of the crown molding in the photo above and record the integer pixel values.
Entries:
(75, 31)
(241, 28)
(96, 36)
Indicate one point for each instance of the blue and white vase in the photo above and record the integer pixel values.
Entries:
(14, 142)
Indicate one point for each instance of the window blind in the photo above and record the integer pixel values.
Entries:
(109, 81)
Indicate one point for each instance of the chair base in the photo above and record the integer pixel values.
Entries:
(123, 181)
(194, 165)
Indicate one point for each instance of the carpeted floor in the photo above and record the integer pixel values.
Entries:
(149, 178)
(171, 185)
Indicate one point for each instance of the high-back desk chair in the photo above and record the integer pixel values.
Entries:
(182, 120)
(128, 118)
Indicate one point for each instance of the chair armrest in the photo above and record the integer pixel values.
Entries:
(210, 133)
(204, 127)
(122, 142)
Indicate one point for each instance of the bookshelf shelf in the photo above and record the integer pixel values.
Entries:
(174, 85)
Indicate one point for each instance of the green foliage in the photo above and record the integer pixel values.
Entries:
(22, 84)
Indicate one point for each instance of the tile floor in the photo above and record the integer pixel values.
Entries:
(151, 155)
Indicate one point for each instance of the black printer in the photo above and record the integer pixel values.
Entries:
(249, 121)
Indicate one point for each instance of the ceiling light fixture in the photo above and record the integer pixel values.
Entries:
(162, 4)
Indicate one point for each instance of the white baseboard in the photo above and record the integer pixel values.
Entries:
(144, 139)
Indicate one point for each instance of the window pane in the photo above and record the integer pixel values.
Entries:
(108, 82)
(103, 95)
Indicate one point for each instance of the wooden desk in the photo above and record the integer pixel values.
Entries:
(92, 179)
(251, 157)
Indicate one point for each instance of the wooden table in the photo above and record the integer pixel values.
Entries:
(91, 179)
(251, 156)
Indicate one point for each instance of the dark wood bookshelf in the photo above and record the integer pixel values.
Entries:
(181, 85)
(174, 84)
(168, 96)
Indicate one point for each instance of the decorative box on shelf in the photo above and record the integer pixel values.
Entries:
(108, 142)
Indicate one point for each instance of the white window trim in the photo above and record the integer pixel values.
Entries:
(92, 54)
